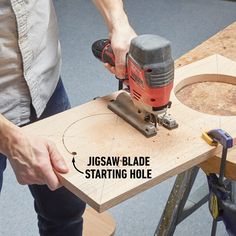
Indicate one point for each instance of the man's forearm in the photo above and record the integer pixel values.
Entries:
(120, 33)
(33, 159)
(7, 130)
(113, 13)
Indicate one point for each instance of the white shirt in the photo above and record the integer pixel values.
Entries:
(29, 57)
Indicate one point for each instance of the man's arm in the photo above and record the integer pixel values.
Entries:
(32, 158)
(120, 32)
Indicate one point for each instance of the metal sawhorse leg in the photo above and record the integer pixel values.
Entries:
(179, 206)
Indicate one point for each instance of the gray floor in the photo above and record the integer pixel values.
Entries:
(186, 23)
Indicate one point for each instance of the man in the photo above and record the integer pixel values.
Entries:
(30, 89)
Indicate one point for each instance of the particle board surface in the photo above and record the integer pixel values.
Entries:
(92, 129)
(213, 97)
(222, 43)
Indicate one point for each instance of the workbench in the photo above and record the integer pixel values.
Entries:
(76, 140)
(223, 43)
(180, 203)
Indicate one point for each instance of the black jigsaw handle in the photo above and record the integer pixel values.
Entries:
(102, 51)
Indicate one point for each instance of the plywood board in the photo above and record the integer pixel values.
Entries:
(91, 129)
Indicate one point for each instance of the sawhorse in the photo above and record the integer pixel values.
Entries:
(179, 205)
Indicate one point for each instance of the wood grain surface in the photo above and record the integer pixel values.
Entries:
(92, 130)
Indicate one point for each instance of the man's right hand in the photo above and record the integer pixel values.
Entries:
(32, 158)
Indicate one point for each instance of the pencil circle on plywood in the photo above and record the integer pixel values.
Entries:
(101, 135)
(209, 93)
(85, 125)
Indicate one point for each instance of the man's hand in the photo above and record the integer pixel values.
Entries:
(32, 158)
(120, 43)
(120, 32)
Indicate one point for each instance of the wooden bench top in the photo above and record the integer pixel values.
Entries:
(223, 43)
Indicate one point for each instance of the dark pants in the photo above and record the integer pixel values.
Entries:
(59, 212)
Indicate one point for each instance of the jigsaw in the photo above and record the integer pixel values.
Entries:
(148, 82)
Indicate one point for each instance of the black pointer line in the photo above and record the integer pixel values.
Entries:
(73, 161)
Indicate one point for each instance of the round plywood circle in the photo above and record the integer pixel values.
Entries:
(210, 94)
